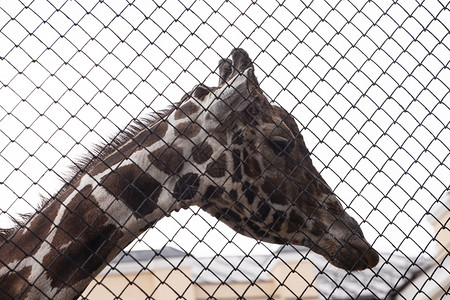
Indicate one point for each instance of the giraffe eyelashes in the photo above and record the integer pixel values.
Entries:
(280, 145)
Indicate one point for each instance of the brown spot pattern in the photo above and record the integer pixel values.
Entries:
(250, 192)
(186, 187)
(212, 192)
(251, 165)
(81, 211)
(186, 110)
(233, 195)
(90, 241)
(201, 154)
(237, 174)
(168, 159)
(83, 256)
(148, 137)
(263, 211)
(217, 168)
(277, 221)
(15, 284)
(274, 193)
(137, 189)
(27, 240)
(238, 138)
(317, 229)
(259, 233)
(188, 129)
(201, 91)
(229, 214)
(295, 222)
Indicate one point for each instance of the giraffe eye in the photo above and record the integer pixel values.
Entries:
(279, 145)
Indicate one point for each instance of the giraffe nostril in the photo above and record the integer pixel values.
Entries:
(361, 253)
(369, 260)
(372, 258)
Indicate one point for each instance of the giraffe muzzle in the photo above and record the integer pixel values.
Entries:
(355, 255)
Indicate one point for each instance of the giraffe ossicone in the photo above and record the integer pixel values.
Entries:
(225, 149)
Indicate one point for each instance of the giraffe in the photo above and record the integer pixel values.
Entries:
(225, 149)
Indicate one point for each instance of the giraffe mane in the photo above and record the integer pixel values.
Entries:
(88, 160)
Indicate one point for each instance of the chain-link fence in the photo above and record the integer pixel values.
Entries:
(98, 98)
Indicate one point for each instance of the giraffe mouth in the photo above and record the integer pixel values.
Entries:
(354, 255)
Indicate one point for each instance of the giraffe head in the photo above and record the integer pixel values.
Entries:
(258, 176)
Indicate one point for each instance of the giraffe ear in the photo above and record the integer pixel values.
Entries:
(225, 70)
(201, 91)
(229, 68)
(234, 96)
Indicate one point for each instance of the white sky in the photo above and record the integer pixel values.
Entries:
(367, 82)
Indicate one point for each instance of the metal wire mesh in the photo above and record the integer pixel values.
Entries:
(367, 83)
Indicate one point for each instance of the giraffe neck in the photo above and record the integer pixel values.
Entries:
(57, 252)
(173, 163)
